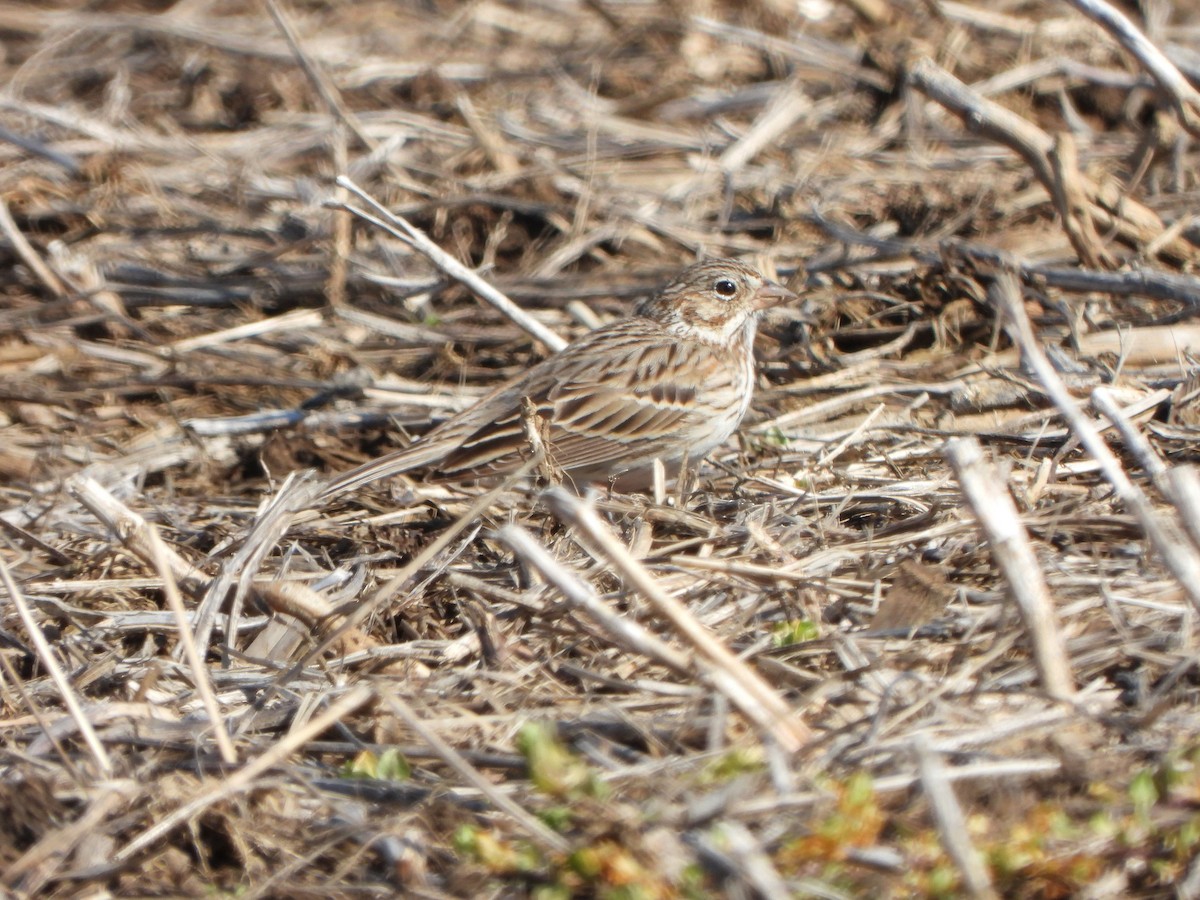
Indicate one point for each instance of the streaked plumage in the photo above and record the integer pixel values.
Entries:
(672, 381)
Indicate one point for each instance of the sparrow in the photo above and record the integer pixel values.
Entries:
(671, 382)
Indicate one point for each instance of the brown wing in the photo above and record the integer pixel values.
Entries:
(613, 397)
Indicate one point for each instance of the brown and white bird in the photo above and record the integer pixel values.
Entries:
(671, 382)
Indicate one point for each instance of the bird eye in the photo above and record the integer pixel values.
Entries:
(726, 287)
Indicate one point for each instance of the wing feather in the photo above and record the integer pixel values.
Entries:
(625, 394)
(620, 395)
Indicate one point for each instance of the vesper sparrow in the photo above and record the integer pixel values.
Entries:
(672, 382)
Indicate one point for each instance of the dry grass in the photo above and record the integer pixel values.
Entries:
(408, 704)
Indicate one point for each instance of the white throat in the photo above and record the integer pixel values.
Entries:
(720, 335)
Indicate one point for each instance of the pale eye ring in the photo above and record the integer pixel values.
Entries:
(726, 287)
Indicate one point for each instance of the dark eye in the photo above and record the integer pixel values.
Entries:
(726, 287)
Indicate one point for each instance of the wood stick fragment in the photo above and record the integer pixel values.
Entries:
(268, 528)
(786, 108)
(315, 73)
(741, 849)
(1169, 79)
(131, 530)
(1146, 456)
(296, 320)
(1164, 534)
(403, 230)
(195, 659)
(629, 634)
(1184, 492)
(744, 687)
(46, 655)
(1131, 221)
(343, 228)
(43, 273)
(490, 141)
(988, 497)
(951, 823)
(1071, 197)
(1179, 483)
(531, 823)
(986, 117)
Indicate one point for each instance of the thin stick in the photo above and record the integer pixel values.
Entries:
(1169, 79)
(455, 760)
(744, 687)
(46, 275)
(243, 778)
(130, 528)
(989, 499)
(745, 851)
(267, 529)
(343, 230)
(403, 230)
(789, 104)
(986, 117)
(159, 557)
(1185, 494)
(1164, 534)
(1177, 483)
(49, 728)
(1147, 458)
(951, 823)
(627, 633)
(1071, 196)
(46, 655)
(297, 320)
(320, 82)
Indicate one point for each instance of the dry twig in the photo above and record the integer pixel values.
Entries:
(744, 688)
(1170, 80)
(952, 824)
(48, 659)
(405, 231)
(1163, 533)
(1093, 209)
(997, 514)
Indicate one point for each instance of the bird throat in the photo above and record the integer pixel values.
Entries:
(734, 331)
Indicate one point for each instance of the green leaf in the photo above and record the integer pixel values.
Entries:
(390, 766)
(553, 769)
(1144, 793)
(785, 634)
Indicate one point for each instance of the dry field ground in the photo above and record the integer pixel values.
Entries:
(927, 628)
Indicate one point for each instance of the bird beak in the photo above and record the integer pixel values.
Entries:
(772, 294)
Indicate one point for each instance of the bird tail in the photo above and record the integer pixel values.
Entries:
(421, 454)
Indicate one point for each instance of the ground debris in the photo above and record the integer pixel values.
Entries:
(431, 690)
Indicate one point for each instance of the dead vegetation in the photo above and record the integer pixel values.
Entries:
(854, 655)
